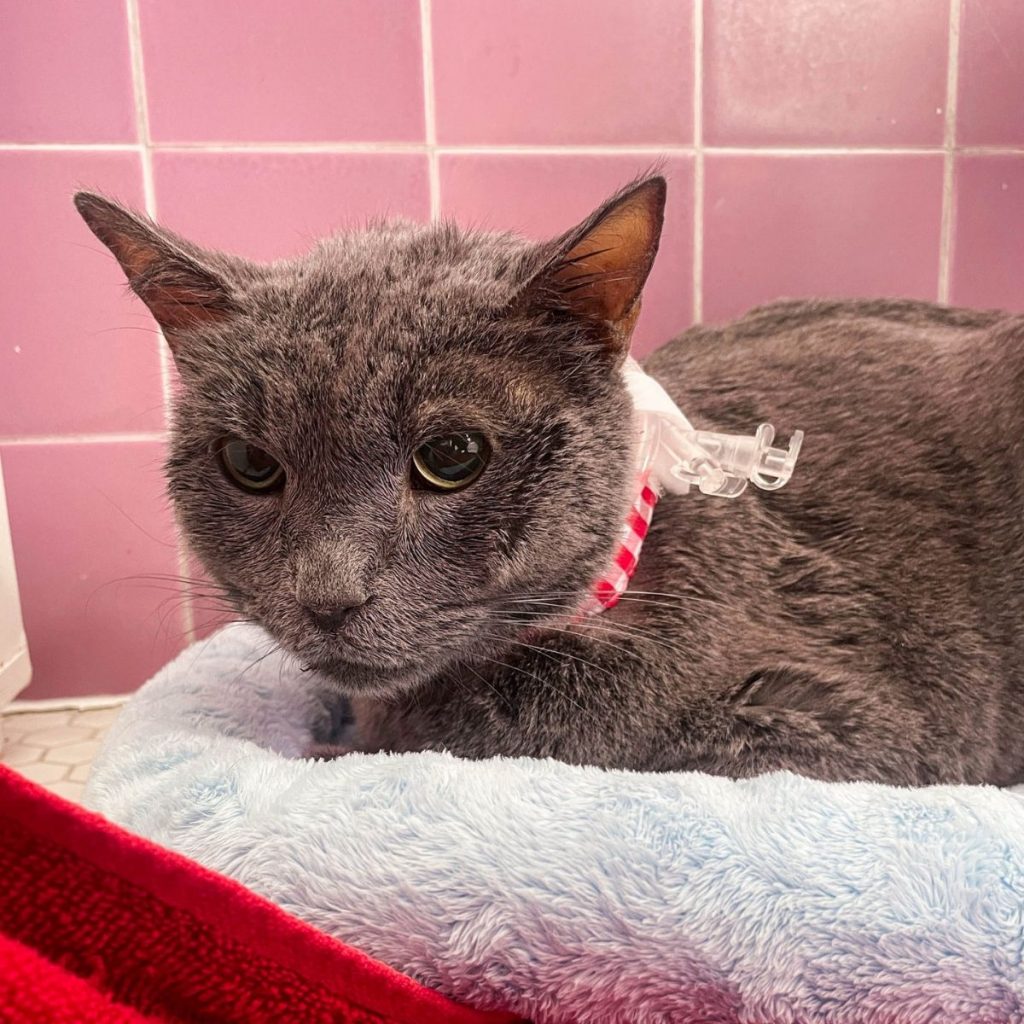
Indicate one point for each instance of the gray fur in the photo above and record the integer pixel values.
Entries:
(863, 623)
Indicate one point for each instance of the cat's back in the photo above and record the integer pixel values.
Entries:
(896, 552)
(889, 393)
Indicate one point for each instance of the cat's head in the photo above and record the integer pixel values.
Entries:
(394, 451)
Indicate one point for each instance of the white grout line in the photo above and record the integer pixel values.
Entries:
(25, 707)
(419, 148)
(146, 154)
(698, 161)
(988, 150)
(825, 150)
(430, 109)
(149, 192)
(291, 147)
(75, 147)
(141, 106)
(640, 149)
(83, 438)
(949, 161)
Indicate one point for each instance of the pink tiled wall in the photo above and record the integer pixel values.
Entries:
(814, 147)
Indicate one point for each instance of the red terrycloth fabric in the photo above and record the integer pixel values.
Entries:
(97, 924)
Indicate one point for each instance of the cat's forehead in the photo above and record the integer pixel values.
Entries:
(396, 324)
(387, 297)
(415, 269)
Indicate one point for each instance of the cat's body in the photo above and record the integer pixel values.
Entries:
(862, 623)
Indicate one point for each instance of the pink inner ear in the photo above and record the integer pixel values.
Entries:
(179, 304)
(179, 294)
(179, 291)
(602, 275)
(135, 257)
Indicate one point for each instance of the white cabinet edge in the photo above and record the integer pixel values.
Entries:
(15, 668)
(15, 673)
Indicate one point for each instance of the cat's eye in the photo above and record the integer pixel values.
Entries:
(452, 461)
(249, 467)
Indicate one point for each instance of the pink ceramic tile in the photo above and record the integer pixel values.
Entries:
(563, 71)
(778, 226)
(990, 109)
(268, 205)
(65, 72)
(89, 522)
(76, 353)
(542, 196)
(259, 70)
(988, 247)
(851, 72)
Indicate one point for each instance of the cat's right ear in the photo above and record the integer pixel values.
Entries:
(596, 272)
(165, 272)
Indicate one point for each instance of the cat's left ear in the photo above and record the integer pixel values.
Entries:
(599, 268)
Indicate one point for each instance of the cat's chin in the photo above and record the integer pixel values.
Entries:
(360, 680)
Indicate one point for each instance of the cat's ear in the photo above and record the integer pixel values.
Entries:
(166, 272)
(598, 269)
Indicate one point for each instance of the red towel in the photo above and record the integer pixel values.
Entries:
(97, 924)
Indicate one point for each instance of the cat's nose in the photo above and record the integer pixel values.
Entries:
(332, 615)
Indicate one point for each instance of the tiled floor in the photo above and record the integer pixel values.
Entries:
(55, 748)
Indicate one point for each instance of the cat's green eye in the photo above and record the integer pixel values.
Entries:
(249, 467)
(451, 462)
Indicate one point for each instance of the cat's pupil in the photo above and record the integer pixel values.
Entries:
(258, 464)
(452, 461)
(250, 467)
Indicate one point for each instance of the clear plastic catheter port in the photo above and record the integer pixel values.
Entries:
(677, 457)
(753, 458)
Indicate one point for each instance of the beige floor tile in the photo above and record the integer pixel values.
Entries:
(56, 748)
(33, 720)
(57, 737)
(97, 718)
(73, 753)
(16, 754)
(44, 773)
(68, 790)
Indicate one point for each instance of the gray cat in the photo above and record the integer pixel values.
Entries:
(408, 455)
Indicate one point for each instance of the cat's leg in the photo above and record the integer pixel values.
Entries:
(817, 722)
(608, 708)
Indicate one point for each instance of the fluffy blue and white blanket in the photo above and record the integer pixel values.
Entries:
(575, 894)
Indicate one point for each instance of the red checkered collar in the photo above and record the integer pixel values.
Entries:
(673, 456)
(612, 583)
(609, 587)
